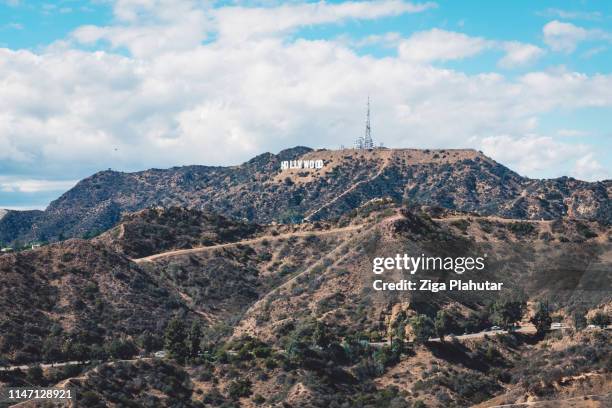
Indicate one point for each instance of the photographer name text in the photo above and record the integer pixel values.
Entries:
(413, 264)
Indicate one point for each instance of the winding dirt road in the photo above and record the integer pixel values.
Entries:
(178, 252)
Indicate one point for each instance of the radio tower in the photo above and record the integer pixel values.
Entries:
(368, 143)
(359, 142)
(365, 142)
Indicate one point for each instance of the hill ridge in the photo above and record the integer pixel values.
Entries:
(258, 190)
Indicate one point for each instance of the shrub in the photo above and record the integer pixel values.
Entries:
(239, 388)
(521, 228)
(423, 328)
(88, 398)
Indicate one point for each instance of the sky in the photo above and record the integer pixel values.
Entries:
(87, 85)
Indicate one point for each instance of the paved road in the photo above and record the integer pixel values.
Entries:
(66, 363)
(25, 367)
(527, 329)
(524, 329)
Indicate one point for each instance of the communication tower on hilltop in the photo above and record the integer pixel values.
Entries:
(365, 141)
(368, 143)
(359, 142)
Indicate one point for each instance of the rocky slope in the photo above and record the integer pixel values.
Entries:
(288, 313)
(159, 229)
(76, 293)
(260, 191)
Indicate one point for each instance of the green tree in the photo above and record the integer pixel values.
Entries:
(507, 312)
(149, 342)
(398, 327)
(541, 319)
(51, 350)
(74, 350)
(321, 336)
(296, 350)
(400, 331)
(35, 375)
(89, 399)
(443, 323)
(195, 337)
(174, 340)
(423, 328)
(600, 318)
(580, 321)
(121, 349)
(239, 388)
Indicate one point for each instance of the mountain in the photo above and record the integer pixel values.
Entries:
(76, 293)
(260, 191)
(259, 284)
(154, 230)
(289, 316)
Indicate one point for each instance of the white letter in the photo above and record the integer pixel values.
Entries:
(415, 264)
(377, 266)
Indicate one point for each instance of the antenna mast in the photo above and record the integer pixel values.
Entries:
(368, 143)
(365, 142)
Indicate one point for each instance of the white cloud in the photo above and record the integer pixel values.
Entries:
(534, 154)
(239, 23)
(519, 54)
(388, 40)
(181, 97)
(13, 26)
(440, 45)
(571, 14)
(594, 51)
(150, 27)
(565, 37)
(26, 185)
(588, 168)
(571, 133)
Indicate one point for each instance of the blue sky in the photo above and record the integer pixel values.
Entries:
(134, 84)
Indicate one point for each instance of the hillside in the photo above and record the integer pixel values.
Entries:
(73, 299)
(288, 313)
(260, 191)
(543, 260)
(158, 229)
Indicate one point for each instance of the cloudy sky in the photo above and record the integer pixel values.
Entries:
(134, 84)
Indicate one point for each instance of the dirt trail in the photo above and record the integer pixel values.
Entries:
(583, 401)
(248, 323)
(245, 242)
(491, 218)
(352, 188)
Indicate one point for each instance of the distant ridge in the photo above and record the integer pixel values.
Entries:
(259, 191)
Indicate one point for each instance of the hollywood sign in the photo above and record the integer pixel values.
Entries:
(301, 164)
